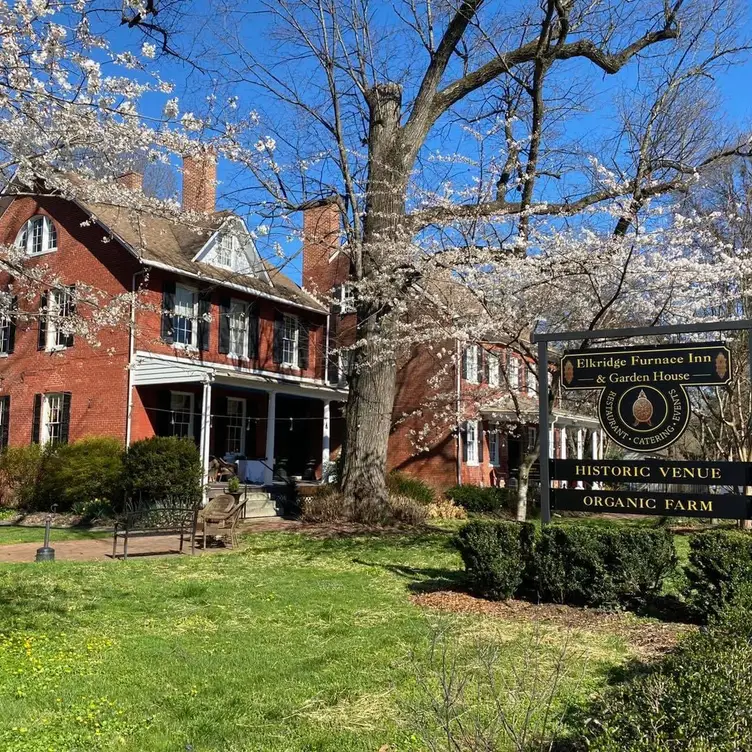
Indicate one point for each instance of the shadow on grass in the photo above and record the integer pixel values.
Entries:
(424, 579)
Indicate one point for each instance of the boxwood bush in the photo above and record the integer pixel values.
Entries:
(482, 499)
(604, 565)
(693, 699)
(497, 556)
(163, 467)
(400, 484)
(720, 563)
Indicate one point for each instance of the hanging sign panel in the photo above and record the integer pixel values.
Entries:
(722, 506)
(700, 472)
(643, 405)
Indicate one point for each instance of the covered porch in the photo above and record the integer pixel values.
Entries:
(274, 429)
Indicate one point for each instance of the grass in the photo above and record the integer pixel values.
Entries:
(18, 534)
(291, 643)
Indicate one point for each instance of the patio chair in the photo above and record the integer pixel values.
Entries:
(219, 518)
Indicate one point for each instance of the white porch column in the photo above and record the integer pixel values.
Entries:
(205, 432)
(563, 449)
(271, 417)
(595, 451)
(580, 449)
(325, 439)
(551, 444)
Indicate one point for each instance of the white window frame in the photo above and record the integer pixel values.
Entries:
(239, 329)
(192, 344)
(471, 364)
(346, 299)
(293, 342)
(26, 235)
(532, 437)
(5, 327)
(513, 372)
(494, 442)
(46, 432)
(241, 428)
(174, 410)
(493, 369)
(472, 443)
(54, 337)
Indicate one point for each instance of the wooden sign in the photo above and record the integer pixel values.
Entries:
(722, 506)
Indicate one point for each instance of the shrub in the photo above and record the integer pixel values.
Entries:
(604, 565)
(94, 510)
(446, 509)
(482, 499)
(497, 556)
(720, 562)
(163, 467)
(81, 472)
(20, 469)
(323, 504)
(407, 510)
(399, 484)
(693, 699)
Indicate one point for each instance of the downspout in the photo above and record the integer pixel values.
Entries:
(458, 440)
(131, 353)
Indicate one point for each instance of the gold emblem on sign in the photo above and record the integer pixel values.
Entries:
(568, 372)
(721, 365)
(642, 410)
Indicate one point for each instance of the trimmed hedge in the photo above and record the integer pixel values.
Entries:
(163, 467)
(497, 556)
(579, 565)
(604, 565)
(400, 484)
(694, 699)
(720, 563)
(482, 499)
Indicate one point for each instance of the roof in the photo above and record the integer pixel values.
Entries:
(168, 243)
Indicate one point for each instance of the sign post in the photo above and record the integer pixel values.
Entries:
(643, 406)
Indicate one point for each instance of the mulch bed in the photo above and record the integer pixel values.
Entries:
(647, 638)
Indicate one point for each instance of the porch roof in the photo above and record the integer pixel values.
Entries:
(558, 417)
(152, 369)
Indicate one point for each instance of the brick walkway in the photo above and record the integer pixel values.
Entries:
(99, 549)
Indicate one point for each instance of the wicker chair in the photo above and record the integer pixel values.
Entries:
(219, 518)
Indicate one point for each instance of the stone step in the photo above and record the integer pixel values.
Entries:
(260, 508)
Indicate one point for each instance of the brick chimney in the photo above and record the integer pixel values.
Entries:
(321, 240)
(132, 180)
(200, 182)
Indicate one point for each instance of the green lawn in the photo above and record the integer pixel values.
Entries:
(291, 643)
(18, 534)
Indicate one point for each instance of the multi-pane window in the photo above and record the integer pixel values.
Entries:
(185, 317)
(532, 437)
(181, 414)
(471, 363)
(238, 328)
(345, 359)
(235, 426)
(493, 447)
(59, 308)
(513, 372)
(5, 334)
(346, 299)
(52, 419)
(290, 336)
(493, 370)
(37, 236)
(471, 437)
(229, 253)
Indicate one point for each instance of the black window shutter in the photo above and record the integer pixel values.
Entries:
(463, 432)
(4, 429)
(481, 439)
(279, 323)
(303, 344)
(253, 332)
(197, 400)
(12, 326)
(225, 307)
(332, 360)
(42, 338)
(69, 309)
(480, 364)
(65, 421)
(37, 420)
(464, 363)
(164, 416)
(219, 423)
(487, 367)
(204, 325)
(168, 307)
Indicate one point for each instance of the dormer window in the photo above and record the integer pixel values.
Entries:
(37, 236)
(229, 253)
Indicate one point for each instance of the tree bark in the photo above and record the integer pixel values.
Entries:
(372, 384)
(524, 483)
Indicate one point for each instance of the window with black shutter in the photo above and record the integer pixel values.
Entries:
(204, 320)
(253, 332)
(303, 344)
(8, 328)
(168, 309)
(225, 311)
(42, 332)
(4, 420)
(279, 324)
(36, 425)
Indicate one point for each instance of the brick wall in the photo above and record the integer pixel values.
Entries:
(95, 375)
(321, 239)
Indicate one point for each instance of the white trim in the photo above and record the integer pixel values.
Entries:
(244, 407)
(494, 458)
(475, 462)
(191, 410)
(475, 379)
(295, 362)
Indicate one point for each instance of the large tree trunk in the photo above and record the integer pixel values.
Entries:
(372, 384)
(524, 483)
